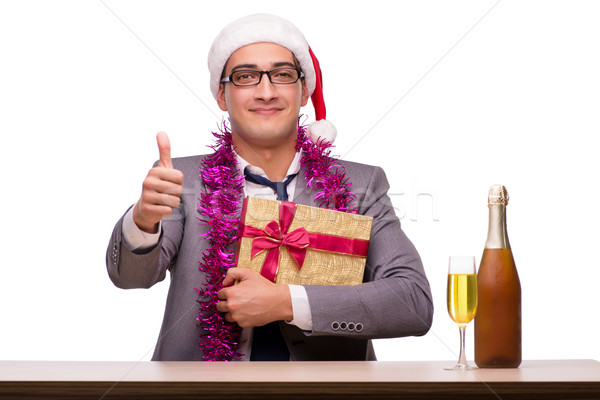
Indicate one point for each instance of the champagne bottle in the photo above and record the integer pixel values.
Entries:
(498, 319)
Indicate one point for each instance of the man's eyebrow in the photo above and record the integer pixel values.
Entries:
(244, 66)
(284, 64)
(278, 64)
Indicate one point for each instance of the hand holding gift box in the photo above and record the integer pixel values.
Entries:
(291, 243)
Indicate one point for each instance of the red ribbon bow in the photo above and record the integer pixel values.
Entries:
(276, 235)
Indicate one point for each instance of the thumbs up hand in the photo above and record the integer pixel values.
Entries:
(161, 190)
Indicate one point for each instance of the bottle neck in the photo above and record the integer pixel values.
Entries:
(497, 236)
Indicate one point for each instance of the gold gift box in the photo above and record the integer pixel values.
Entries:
(321, 266)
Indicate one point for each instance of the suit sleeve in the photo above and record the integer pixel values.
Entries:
(129, 269)
(395, 298)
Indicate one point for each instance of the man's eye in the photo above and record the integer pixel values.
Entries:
(283, 74)
(245, 76)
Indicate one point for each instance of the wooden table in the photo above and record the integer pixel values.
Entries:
(563, 379)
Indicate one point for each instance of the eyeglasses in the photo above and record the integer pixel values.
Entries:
(251, 77)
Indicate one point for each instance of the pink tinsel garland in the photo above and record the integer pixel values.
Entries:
(219, 208)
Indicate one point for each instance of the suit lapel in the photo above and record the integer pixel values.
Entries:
(302, 194)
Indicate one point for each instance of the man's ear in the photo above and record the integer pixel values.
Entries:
(221, 97)
(305, 95)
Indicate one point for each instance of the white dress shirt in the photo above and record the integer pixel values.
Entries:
(136, 239)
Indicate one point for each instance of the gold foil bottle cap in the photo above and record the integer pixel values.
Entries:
(498, 195)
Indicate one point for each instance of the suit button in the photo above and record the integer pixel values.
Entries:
(343, 325)
(115, 254)
(335, 325)
(358, 327)
(351, 326)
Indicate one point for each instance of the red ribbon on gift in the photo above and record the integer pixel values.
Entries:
(296, 242)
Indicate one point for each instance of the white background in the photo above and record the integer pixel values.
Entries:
(448, 97)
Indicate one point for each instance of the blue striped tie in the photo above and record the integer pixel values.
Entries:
(279, 187)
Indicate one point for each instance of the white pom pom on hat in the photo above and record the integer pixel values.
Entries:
(322, 129)
(273, 29)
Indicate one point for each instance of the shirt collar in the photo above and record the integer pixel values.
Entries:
(242, 164)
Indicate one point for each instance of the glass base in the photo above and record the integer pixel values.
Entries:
(461, 367)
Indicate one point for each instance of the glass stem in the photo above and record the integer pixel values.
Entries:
(462, 358)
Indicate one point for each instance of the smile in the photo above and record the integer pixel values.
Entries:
(265, 110)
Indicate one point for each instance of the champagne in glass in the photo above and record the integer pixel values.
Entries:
(462, 299)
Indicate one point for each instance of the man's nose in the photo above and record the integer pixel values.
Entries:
(265, 89)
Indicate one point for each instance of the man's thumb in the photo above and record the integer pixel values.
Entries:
(235, 275)
(164, 150)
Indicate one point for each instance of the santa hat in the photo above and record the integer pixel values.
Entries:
(270, 28)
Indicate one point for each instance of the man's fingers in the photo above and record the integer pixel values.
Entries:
(255, 301)
(155, 211)
(164, 150)
(163, 180)
(161, 199)
(235, 274)
(222, 306)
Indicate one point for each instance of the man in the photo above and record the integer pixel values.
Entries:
(262, 73)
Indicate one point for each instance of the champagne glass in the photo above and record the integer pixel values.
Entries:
(462, 299)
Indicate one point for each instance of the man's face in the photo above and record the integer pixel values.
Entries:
(264, 115)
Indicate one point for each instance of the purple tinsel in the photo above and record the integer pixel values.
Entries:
(219, 208)
(324, 173)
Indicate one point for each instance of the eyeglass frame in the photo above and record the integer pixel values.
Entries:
(268, 73)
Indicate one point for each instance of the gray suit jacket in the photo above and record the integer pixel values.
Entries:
(394, 300)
